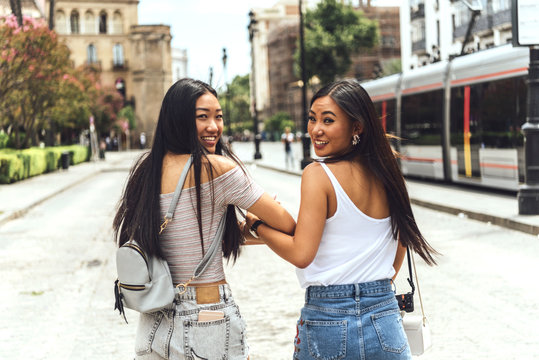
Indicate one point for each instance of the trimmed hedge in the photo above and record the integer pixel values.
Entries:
(17, 165)
(11, 168)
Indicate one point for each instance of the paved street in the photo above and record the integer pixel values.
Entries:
(58, 262)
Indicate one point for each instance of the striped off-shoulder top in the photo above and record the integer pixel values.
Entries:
(180, 240)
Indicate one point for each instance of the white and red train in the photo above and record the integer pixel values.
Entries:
(459, 121)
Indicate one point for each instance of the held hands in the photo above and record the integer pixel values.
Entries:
(250, 219)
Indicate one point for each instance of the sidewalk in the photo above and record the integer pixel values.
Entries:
(477, 204)
(17, 198)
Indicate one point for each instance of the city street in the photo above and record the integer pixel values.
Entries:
(58, 265)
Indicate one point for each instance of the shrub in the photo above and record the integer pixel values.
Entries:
(11, 168)
(37, 162)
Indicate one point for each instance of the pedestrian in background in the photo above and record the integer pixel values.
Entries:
(287, 138)
(190, 124)
(143, 140)
(354, 224)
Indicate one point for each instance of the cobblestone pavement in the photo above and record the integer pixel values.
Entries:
(57, 263)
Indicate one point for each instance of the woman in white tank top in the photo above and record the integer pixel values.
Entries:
(354, 207)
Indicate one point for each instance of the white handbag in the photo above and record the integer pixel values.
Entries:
(417, 327)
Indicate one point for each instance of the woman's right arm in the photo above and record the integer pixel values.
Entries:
(272, 213)
(300, 249)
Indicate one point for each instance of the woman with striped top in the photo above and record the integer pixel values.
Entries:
(190, 124)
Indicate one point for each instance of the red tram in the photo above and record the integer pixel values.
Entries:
(460, 120)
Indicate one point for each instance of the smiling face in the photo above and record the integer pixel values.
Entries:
(330, 128)
(209, 121)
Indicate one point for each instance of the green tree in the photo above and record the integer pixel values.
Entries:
(32, 67)
(278, 122)
(239, 118)
(392, 66)
(333, 33)
(128, 113)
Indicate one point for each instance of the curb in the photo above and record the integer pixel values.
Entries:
(18, 213)
(495, 220)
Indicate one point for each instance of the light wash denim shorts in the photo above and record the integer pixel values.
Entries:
(176, 333)
(356, 321)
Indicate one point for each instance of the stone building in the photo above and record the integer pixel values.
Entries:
(136, 59)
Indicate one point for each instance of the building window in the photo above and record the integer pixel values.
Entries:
(61, 24)
(118, 55)
(102, 22)
(500, 5)
(89, 23)
(74, 19)
(91, 54)
(418, 31)
(117, 23)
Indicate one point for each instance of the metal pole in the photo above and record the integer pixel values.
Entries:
(252, 30)
(528, 194)
(305, 139)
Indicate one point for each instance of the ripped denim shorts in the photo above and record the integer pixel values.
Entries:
(355, 321)
(177, 334)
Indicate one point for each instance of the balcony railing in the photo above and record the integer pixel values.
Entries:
(417, 12)
(117, 66)
(419, 47)
(94, 64)
(483, 23)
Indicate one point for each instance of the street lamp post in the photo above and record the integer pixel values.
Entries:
(227, 98)
(305, 138)
(252, 29)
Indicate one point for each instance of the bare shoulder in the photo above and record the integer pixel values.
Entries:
(221, 164)
(314, 175)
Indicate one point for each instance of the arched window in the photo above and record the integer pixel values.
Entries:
(91, 54)
(102, 22)
(118, 55)
(60, 22)
(117, 23)
(74, 20)
(89, 23)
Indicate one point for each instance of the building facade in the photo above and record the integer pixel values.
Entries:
(179, 64)
(267, 20)
(284, 93)
(135, 59)
(434, 30)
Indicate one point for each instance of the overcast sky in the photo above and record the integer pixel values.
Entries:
(204, 27)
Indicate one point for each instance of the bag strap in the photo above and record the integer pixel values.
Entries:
(418, 290)
(208, 256)
(410, 279)
(172, 207)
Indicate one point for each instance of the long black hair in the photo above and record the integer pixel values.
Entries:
(374, 151)
(138, 216)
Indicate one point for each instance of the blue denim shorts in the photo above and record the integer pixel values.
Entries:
(177, 334)
(355, 321)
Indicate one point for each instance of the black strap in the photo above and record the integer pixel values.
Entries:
(410, 279)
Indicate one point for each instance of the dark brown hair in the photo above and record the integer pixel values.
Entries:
(375, 152)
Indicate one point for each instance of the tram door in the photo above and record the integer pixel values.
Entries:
(485, 131)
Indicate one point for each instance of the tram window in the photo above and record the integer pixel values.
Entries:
(390, 110)
(497, 112)
(422, 118)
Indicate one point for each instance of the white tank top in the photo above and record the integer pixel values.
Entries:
(355, 247)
